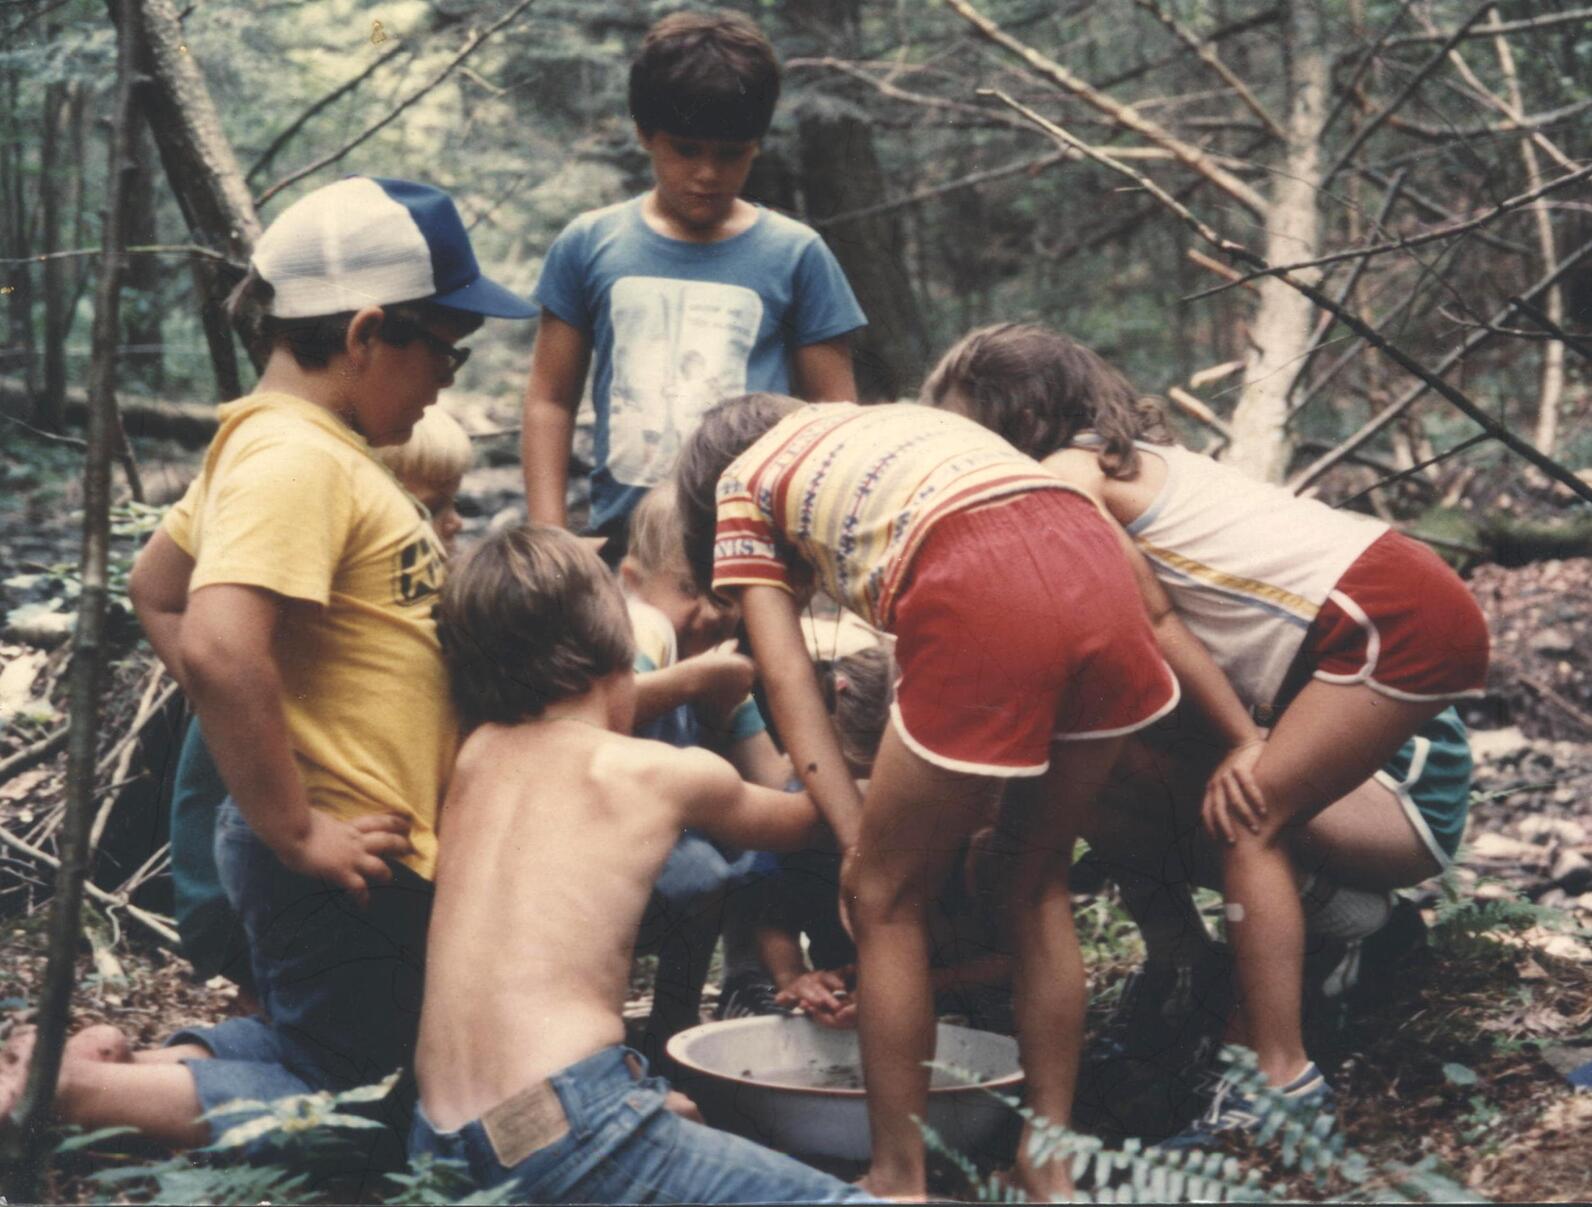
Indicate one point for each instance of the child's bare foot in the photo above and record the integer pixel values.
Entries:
(1047, 1183)
(871, 1186)
(101, 1042)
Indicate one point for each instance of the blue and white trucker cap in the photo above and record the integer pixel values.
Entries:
(369, 241)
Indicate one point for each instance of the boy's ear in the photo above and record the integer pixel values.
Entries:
(362, 331)
(629, 575)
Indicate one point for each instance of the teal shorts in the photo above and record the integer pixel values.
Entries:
(1430, 775)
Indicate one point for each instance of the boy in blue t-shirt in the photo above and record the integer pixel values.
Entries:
(686, 294)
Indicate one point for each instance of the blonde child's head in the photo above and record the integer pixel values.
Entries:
(430, 465)
(655, 571)
(1038, 389)
(859, 689)
(529, 618)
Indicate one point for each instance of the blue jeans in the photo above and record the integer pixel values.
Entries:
(619, 1144)
(340, 985)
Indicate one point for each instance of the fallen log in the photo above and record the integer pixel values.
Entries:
(190, 424)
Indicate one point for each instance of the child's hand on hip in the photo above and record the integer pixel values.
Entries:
(350, 854)
(1232, 796)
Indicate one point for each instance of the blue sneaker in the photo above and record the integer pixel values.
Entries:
(1230, 1110)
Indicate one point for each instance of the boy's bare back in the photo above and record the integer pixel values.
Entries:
(555, 830)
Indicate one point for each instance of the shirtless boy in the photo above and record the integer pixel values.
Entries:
(556, 826)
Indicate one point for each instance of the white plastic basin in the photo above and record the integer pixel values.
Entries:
(797, 1087)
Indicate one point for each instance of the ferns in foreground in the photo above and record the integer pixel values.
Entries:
(1305, 1133)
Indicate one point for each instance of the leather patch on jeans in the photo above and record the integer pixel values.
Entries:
(525, 1123)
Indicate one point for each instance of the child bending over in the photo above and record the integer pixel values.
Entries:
(1348, 638)
(557, 823)
(969, 967)
(691, 693)
(1025, 655)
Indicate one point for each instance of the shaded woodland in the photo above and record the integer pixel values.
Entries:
(1348, 243)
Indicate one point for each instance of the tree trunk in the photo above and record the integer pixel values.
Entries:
(51, 176)
(144, 272)
(840, 172)
(200, 168)
(21, 355)
(27, 1145)
(1280, 332)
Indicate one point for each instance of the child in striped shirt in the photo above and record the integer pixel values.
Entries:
(1025, 656)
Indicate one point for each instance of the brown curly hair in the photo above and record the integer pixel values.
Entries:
(1038, 389)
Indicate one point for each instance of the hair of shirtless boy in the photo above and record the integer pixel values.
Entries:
(556, 825)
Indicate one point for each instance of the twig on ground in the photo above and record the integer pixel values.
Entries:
(164, 928)
(1479, 438)
(31, 756)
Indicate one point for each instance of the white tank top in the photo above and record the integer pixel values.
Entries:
(1247, 564)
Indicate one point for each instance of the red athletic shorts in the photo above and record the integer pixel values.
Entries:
(1020, 624)
(1400, 621)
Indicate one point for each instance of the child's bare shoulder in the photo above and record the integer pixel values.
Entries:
(664, 771)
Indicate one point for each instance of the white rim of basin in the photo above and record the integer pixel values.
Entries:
(677, 1049)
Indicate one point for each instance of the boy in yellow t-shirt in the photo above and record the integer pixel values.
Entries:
(291, 594)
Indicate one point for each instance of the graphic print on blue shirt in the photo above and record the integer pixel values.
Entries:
(679, 347)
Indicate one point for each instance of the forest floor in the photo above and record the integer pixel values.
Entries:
(1461, 1056)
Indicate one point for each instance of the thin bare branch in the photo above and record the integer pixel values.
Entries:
(1211, 59)
(471, 45)
(1347, 317)
(1404, 94)
(1368, 430)
(147, 249)
(1351, 90)
(1448, 231)
(971, 180)
(32, 756)
(1195, 409)
(1471, 442)
(161, 927)
(1526, 25)
(270, 153)
(1191, 157)
(1581, 345)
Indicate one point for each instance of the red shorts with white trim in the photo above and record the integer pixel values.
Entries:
(1020, 624)
(1401, 622)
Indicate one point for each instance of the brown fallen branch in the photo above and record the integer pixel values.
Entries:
(1413, 241)
(1243, 255)
(470, 47)
(161, 927)
(1195, 409)
(190, 423)
(1210, 264)
(31, 756)
(1191, 157)
(1306, 477)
